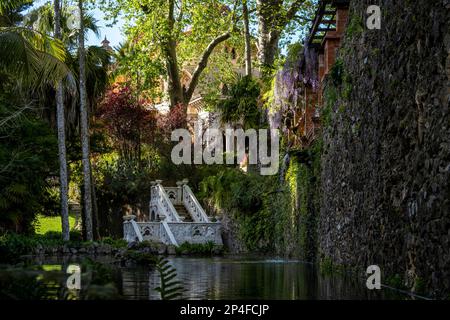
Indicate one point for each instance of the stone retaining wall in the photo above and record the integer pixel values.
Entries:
(386, 161)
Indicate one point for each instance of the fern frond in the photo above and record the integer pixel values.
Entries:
(169, 288)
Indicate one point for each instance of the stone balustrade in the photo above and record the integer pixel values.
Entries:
(192, 232)
(165, 224)
(193, 206)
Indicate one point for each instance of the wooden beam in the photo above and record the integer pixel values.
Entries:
(317, 19)
(326, 29)
(340, 3)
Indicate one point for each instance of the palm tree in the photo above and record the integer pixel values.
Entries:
(42, 19)
(38, 59)
(41, 61)
(96, 58)
(60, 120)
(84, 124)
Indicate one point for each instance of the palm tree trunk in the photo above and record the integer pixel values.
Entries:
(248, 52)
(84, 124)
(95, 218)
(63, 178)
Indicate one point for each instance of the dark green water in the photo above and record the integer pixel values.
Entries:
(202, 278)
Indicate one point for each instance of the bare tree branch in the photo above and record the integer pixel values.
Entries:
(14, 115)
(205, 56)
(202, 64)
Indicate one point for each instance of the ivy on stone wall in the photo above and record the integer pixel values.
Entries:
(271, 217)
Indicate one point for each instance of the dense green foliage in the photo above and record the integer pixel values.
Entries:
(245, 197)
(13, 246)
(272, 217)
(27, 163)
(241, 104)
(44, 224)
(201, 249)
(298, 207)
(130, 143)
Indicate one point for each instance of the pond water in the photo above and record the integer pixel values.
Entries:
(211, 278)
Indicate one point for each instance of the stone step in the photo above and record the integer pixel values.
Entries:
(183, 213)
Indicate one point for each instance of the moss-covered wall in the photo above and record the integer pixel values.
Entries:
(260, 214)
(296, 207)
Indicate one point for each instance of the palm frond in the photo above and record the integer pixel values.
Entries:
(33, 58)
(9, 5)
(91, 24)
(41, 19)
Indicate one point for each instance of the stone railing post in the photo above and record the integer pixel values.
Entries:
(128, 229)
(180, 192)
(129, 217)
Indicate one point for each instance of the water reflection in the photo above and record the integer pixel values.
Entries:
(221, 278)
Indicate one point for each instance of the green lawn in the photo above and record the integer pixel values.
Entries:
(52, 224)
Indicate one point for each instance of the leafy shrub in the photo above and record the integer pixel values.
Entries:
(116, 243)
(245, 197)
(208, 248)
(242, 103)
(13, 245)
(27, 157)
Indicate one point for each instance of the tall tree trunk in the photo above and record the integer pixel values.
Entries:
(95, 220)
(84, 124)
(268, 33)
(63, 177)
(176, 92)
(268, 45)
(248, 48)
(270, 25)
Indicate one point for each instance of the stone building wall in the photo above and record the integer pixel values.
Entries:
(386, 160)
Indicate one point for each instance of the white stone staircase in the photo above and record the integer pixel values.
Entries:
(176, 217)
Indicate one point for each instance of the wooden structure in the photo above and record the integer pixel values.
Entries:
(327, 30)
(324, 38)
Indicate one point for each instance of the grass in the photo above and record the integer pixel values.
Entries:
(45, 224)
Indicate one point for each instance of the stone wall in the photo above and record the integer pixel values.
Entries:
(386, 160)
